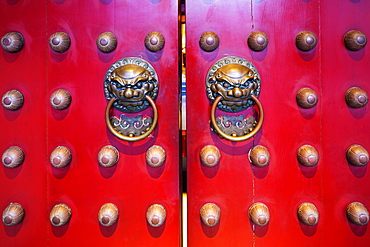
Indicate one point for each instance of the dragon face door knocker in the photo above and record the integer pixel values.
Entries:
(131, 85)
(233, 84)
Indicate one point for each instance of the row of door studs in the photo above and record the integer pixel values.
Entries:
(210, 214)
(306, 98)
(61, 156)
(210, 156)
(106, 42)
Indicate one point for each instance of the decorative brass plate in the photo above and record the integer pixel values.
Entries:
(235, 79)
(236, 126)
(130, 80)
(132, 126)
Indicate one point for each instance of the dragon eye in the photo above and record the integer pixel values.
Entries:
(117, 83)
(226, 85)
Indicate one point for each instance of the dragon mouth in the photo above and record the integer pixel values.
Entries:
(235, 96)
(128, 96)
(131, 103)
(237, 103)
(134, 101)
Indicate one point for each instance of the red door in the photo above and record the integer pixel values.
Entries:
(98, 125)
(286, 64)
(276, 122)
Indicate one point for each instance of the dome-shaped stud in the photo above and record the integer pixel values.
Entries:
(156, 215)
(355, 40)
(60, 157)
(357, 213)
(209, 41)
(308, 214)
(12, 42)
(155, 156)
(108, 156)
(106, 42)
(154, 41)
(357, 155)
(59, 42)
(257, 41)
(306, 98)
(210, 214)
(210, 156)
(356, 97)
(306, 40)
(259, 156)
(108, 214)
(13, 157)
(60, 214)
(12, 100)
(307, 155)
(13, 214)
(259, 214)
(60, 99)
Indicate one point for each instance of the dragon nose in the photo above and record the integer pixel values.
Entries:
(237, 92)
(128, 93)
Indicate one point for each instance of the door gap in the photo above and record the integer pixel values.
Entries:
(183, 95)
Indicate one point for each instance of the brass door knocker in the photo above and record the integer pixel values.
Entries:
(233, 84)
(131, 85)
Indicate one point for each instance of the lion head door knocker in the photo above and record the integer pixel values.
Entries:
(233, 85)
(131, 85)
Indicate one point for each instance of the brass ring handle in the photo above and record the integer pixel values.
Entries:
(237, 138)
(133, 138)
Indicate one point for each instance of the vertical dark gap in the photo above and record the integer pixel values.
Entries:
(182, 119)
(183, 96)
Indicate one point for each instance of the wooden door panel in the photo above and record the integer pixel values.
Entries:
(286, 184)
(330, 127)
(25, 184)
(343, 126)
(84, 185)
(219, 184)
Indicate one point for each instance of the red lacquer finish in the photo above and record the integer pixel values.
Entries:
(233, 183)
(26, 127)
(230, 183)
(344, 126)
(330, 126)
(84, 185)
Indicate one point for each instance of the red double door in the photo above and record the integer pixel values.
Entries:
(95, 175)
(91, 155)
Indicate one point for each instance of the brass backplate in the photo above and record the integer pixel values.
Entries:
(235, 79)
(130, 80)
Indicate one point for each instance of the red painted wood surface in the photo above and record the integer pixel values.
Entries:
(38, 128)
(26, 127)
(230, 183)
(344, 126)
(331, 126)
